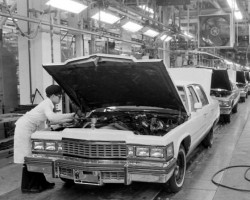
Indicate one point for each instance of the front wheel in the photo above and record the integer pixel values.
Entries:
(177, 179)
(235, 108)
(68, 181)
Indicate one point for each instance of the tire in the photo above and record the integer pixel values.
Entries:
(68, 181)
(177, 179)
(235, 108)
(243, 99)
(209, 139)
(246, 96)
(227, 118)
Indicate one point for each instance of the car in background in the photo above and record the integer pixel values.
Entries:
(226, 92)
(248, 80)
(242, 85)
(139, 126)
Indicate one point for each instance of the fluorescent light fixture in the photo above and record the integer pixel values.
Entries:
(238, 15)
(188, 34)
(144, 7)
(105, 17)
(233, 5)
(151, 33)
(228, 62)
(168, 38)
(163, 37)
(67, 5)
(131, 26)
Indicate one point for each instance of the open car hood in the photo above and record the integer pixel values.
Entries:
(220, 80)
(101, 81)
(240, 77)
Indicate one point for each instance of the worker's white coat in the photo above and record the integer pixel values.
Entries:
(29, 123)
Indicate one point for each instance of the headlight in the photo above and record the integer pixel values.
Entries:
(225, 103)
(142, 151)
(170, 151)
(50, 146)
(47, 146)
(156, 152)
(38, 145)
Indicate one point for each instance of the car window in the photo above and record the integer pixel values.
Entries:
(193, 98)
(183, 96)
(201, 94)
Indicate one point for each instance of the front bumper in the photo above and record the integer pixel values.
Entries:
(243, 93)
(225, 110)
(98, 172)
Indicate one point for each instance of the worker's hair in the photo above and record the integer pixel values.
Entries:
(53, 89)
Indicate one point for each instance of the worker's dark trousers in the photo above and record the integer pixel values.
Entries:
(32, 181)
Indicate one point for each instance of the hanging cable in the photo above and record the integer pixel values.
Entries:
(28, 36)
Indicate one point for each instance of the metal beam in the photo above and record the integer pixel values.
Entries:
(215, 4)
(80, 31)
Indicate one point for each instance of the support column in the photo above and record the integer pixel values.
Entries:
(167, 11)
(126, 47)
(32, 75)
(23, 55)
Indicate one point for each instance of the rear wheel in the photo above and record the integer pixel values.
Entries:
(177, 179)
(243, 99)
(209, 139)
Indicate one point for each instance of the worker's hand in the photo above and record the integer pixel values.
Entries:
(79, 114)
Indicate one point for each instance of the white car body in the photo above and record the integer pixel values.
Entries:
(113, 154)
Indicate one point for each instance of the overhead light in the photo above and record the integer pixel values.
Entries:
(163, 37)
(144, 7)
(233, 5)
(228, 62)
(132, 26)
(168, 38)
(105, 17)
(67, 5)
(151, 33)
(188, 34)
(238, 15)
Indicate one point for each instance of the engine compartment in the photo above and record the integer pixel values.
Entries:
(220, 92)
(141, 123)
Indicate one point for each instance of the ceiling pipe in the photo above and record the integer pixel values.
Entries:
(81, 31)
(112, 2)
(4, 19)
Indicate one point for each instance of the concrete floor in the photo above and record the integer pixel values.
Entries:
(231, 147)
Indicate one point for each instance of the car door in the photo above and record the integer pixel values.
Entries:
(197, 118)
(236, 92)
(206, 112)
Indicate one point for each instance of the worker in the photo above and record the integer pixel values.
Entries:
(28, 124)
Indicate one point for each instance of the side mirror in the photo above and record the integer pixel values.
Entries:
(197, 105)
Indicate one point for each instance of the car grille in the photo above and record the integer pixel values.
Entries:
(88, 149)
